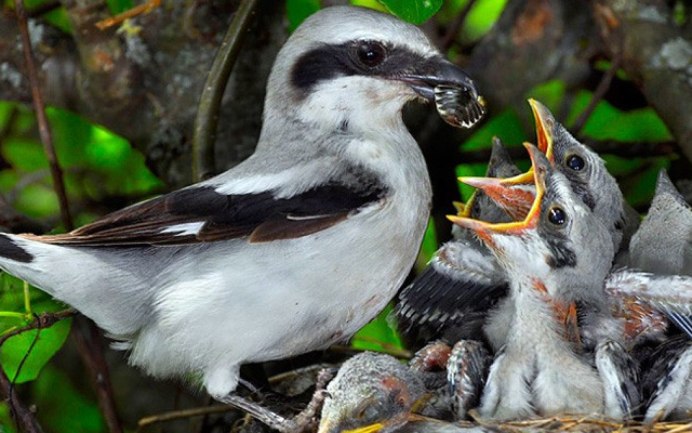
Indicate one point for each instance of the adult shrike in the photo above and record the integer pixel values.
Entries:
(292, 250)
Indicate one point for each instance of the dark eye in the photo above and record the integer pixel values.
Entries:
(575, 162)
(557, 216)
(371, 54)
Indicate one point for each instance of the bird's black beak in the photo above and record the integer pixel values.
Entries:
(453, 91)
(438, 71)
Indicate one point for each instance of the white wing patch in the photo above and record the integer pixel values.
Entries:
(186, 229)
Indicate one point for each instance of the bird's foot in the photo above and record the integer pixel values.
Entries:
(433, 356)
(467, 370)
(307, 419)
(259, 412)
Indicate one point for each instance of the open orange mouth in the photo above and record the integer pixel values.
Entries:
(545, 125)
(484, 230)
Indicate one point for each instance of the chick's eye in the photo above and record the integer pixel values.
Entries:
(371, 54)
(557, 216)
(575, 162)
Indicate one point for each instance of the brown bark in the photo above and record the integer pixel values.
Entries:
(656, 54)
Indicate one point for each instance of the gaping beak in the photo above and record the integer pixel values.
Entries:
(485, 230)
(372, 428)
(463, 209)
(513, 194)
(545, 127)
(453, 91)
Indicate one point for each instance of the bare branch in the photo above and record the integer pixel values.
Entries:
(656, 55)
(207, 118)
(43, 320)
(453, 30)
(601, 90)
(90, 347)
(23, 416)
(40, 109)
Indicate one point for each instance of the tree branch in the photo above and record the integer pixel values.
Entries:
(207, 118)
(598, 94)
(40, 109)
(23, 416)
(656, 55)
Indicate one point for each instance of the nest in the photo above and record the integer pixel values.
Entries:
(583, 425)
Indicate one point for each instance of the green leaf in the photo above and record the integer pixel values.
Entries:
(38, 200)
(413, 11)
(6, 422)
(298, 10)
(378, 335)
(119, 6)
(505, 125)
(370, 4)
(482, 18)
(48, 342)
(609, 123)
(550, 94)
(476, 169)
(428, 247)
(69, 412)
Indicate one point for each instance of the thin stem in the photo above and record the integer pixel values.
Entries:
(453, 30)
(208, 112)
(598, 94)
(40, 109)
(27, 299)
(13, 314)
(43, 320)
(23, 416)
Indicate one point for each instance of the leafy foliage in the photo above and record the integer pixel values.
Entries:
(298, 10)
(416, 12)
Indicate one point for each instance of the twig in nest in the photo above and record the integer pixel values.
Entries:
(182, 414)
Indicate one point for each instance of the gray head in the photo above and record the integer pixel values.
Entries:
(560, 242)
(584, 169)
(354, 68)
(369, 388)
(663, 242)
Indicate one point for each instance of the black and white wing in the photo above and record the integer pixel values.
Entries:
(453, 294)
(201, 213)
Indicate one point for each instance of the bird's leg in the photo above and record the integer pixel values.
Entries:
(433, 356)
(308, 416)
(260, 413)
(301, 422)
(467, 369)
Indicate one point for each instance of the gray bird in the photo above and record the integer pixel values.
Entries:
(667, 381)
(558, 255)
(662, 250)
(290, 251)
(450, 298)
(374, 392)
(587, 175)
(663, 242)
(370, 388)
(462, 281)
